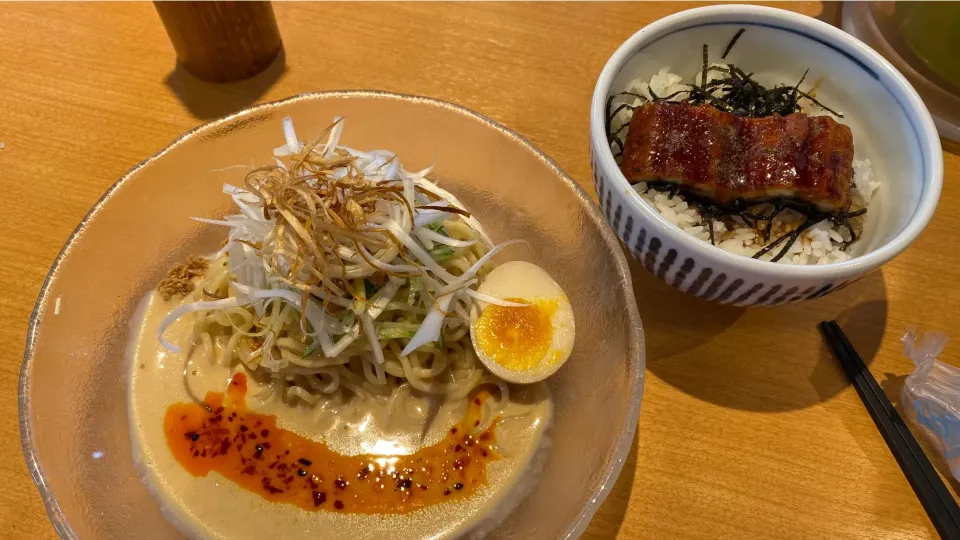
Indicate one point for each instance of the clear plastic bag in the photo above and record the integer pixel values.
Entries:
(931, 394)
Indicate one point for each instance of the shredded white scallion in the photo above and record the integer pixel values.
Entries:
(343, 272)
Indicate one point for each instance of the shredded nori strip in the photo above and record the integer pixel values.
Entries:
(614, 136)
(732, 43)
(743, 96)
(706, 67)
(790, 238)
(746, 210)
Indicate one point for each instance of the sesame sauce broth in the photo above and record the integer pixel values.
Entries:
(213, 506)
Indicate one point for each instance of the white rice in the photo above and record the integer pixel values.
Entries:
(820, 244)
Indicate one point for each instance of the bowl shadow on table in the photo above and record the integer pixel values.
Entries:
(609, 516)
(949, 146)
(208, 101)
(736, 357)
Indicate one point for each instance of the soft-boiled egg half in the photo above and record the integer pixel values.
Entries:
(522, 344)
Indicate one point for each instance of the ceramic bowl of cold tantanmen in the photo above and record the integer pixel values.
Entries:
(289, 339)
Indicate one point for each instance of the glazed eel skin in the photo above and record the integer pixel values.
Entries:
(724, 157)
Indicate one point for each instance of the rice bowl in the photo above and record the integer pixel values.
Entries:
(892, 129)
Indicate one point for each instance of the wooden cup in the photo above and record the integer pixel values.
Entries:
(222, 41)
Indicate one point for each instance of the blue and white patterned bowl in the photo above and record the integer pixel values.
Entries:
(890, 126)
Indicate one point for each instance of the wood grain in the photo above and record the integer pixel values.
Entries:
(748, 428)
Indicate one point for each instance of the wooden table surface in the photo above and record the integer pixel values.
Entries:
(748, 427)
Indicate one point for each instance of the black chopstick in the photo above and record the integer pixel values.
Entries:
(936, 499)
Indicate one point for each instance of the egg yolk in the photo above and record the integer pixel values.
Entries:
(517, 338)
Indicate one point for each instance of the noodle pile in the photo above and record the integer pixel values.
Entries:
(344, 276)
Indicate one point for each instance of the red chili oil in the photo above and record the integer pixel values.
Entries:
(221, 435)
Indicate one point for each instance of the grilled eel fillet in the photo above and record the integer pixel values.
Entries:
(723, 157)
